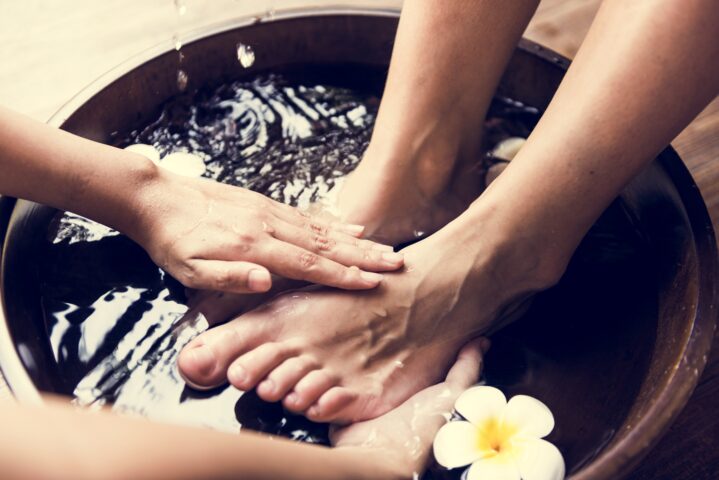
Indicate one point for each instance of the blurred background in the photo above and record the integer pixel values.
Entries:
(51, 49)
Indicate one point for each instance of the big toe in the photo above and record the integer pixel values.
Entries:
(203, 363)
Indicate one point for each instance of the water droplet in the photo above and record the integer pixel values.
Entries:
(177, 42)
(245, 55)
(180, 7)
(271, 12)
(182, 80)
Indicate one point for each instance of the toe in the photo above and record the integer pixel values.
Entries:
(309, 389)
(197, 365)
(332, 404)
(283, 378)
(203, 362)
(247, 371)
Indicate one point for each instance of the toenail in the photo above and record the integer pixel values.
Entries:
(293, 398)
(314, 411)
(237, 374)
(391, 257)
(203, 359)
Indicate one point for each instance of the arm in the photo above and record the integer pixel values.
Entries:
(57, 442)
(643, 72)
(207, 235)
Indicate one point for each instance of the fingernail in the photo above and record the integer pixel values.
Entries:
(259, 280)
(392, 257)
(268, 386)
(237, 375)
(371, 277)
(204, 359)
(353, 229)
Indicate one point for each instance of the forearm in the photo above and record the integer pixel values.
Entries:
(50, 166)
(60, 443)
(644, 71)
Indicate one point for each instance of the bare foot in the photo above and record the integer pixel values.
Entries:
(407, 200)
(344, 357)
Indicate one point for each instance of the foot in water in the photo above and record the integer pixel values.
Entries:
(408, 199)
(349, 356)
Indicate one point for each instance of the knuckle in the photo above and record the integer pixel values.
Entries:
(307, 260)
(188, 275)
(323, 244)
(223, 279)
(317, 228)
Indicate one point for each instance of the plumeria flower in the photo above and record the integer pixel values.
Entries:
(508, 148)
(181, 163)
(500, 440)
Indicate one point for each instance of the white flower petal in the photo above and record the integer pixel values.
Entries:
(538, 460)
(499, 467)
(480, 403)
(147, 151)
(529, 416)
(456, 445)
(183, 163)
(507, 149)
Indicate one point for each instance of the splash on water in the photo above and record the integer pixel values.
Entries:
(180, 7)
(182, 79)
(245, 55)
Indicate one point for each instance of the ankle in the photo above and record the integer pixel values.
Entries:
(520, 261)
(429, 164)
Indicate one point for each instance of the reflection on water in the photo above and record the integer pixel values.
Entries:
(116, 322)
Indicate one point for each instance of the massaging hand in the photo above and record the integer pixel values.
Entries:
(218, 237)
(402, 438)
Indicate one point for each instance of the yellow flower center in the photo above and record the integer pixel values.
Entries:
(494, 437)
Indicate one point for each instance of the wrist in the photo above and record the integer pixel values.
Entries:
(116, 194)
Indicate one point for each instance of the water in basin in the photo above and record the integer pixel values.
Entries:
(116, 322)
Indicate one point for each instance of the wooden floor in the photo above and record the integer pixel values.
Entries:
(52, 48)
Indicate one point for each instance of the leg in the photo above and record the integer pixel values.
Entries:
(447, 62)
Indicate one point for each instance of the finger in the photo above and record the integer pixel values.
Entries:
(237, 277)
(340, 251)
(300, 264)
(299, 218)
(465, 371)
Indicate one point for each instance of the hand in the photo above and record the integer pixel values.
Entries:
(402, 438)
(219, 237)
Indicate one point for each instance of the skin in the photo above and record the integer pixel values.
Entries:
(205, 234)
(100, 446)
(645, 69)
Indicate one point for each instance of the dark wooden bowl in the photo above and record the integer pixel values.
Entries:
(615, 349)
